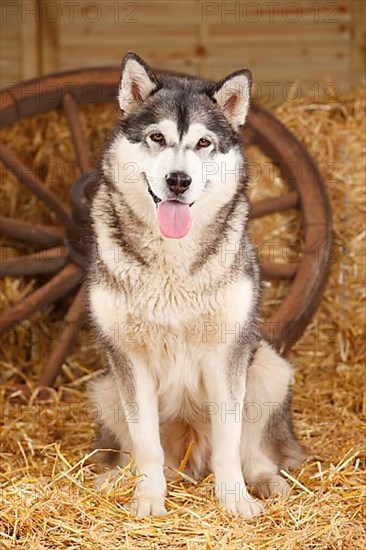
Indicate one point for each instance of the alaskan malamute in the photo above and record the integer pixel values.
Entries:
(174, 289)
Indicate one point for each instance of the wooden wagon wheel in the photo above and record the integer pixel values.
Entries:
(63, 244)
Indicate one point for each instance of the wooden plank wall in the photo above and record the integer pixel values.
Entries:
(10, 46)
(304, 41)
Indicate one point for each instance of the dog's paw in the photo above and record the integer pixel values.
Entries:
(247, 507)
(149, 506)
(149, 497)
(268, 485)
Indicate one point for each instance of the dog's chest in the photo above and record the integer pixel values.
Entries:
(160, 319)
(170, 297)
(155, 305)
(174, 321)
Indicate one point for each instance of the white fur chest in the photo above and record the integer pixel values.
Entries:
(160, 306)
(171, 319)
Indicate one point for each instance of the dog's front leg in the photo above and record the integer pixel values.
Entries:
(138, 388)
(225, 385)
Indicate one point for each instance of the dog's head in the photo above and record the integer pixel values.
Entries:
(178, 143)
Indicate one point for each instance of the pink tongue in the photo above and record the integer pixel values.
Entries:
(174, 219)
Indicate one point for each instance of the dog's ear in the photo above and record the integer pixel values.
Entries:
(232, 94)
(136, 84)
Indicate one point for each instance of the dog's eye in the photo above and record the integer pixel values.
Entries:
(203, 142)
(157, 137)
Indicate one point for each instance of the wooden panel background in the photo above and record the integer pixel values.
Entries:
(302, 41)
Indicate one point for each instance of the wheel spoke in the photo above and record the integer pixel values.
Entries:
(58, 286)
(27, 176)
(74, 320)
(43, 235)
(273, 270)
(278, 204)
(73, 121)
(44, 261)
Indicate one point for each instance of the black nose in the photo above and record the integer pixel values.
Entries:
(178, 182)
